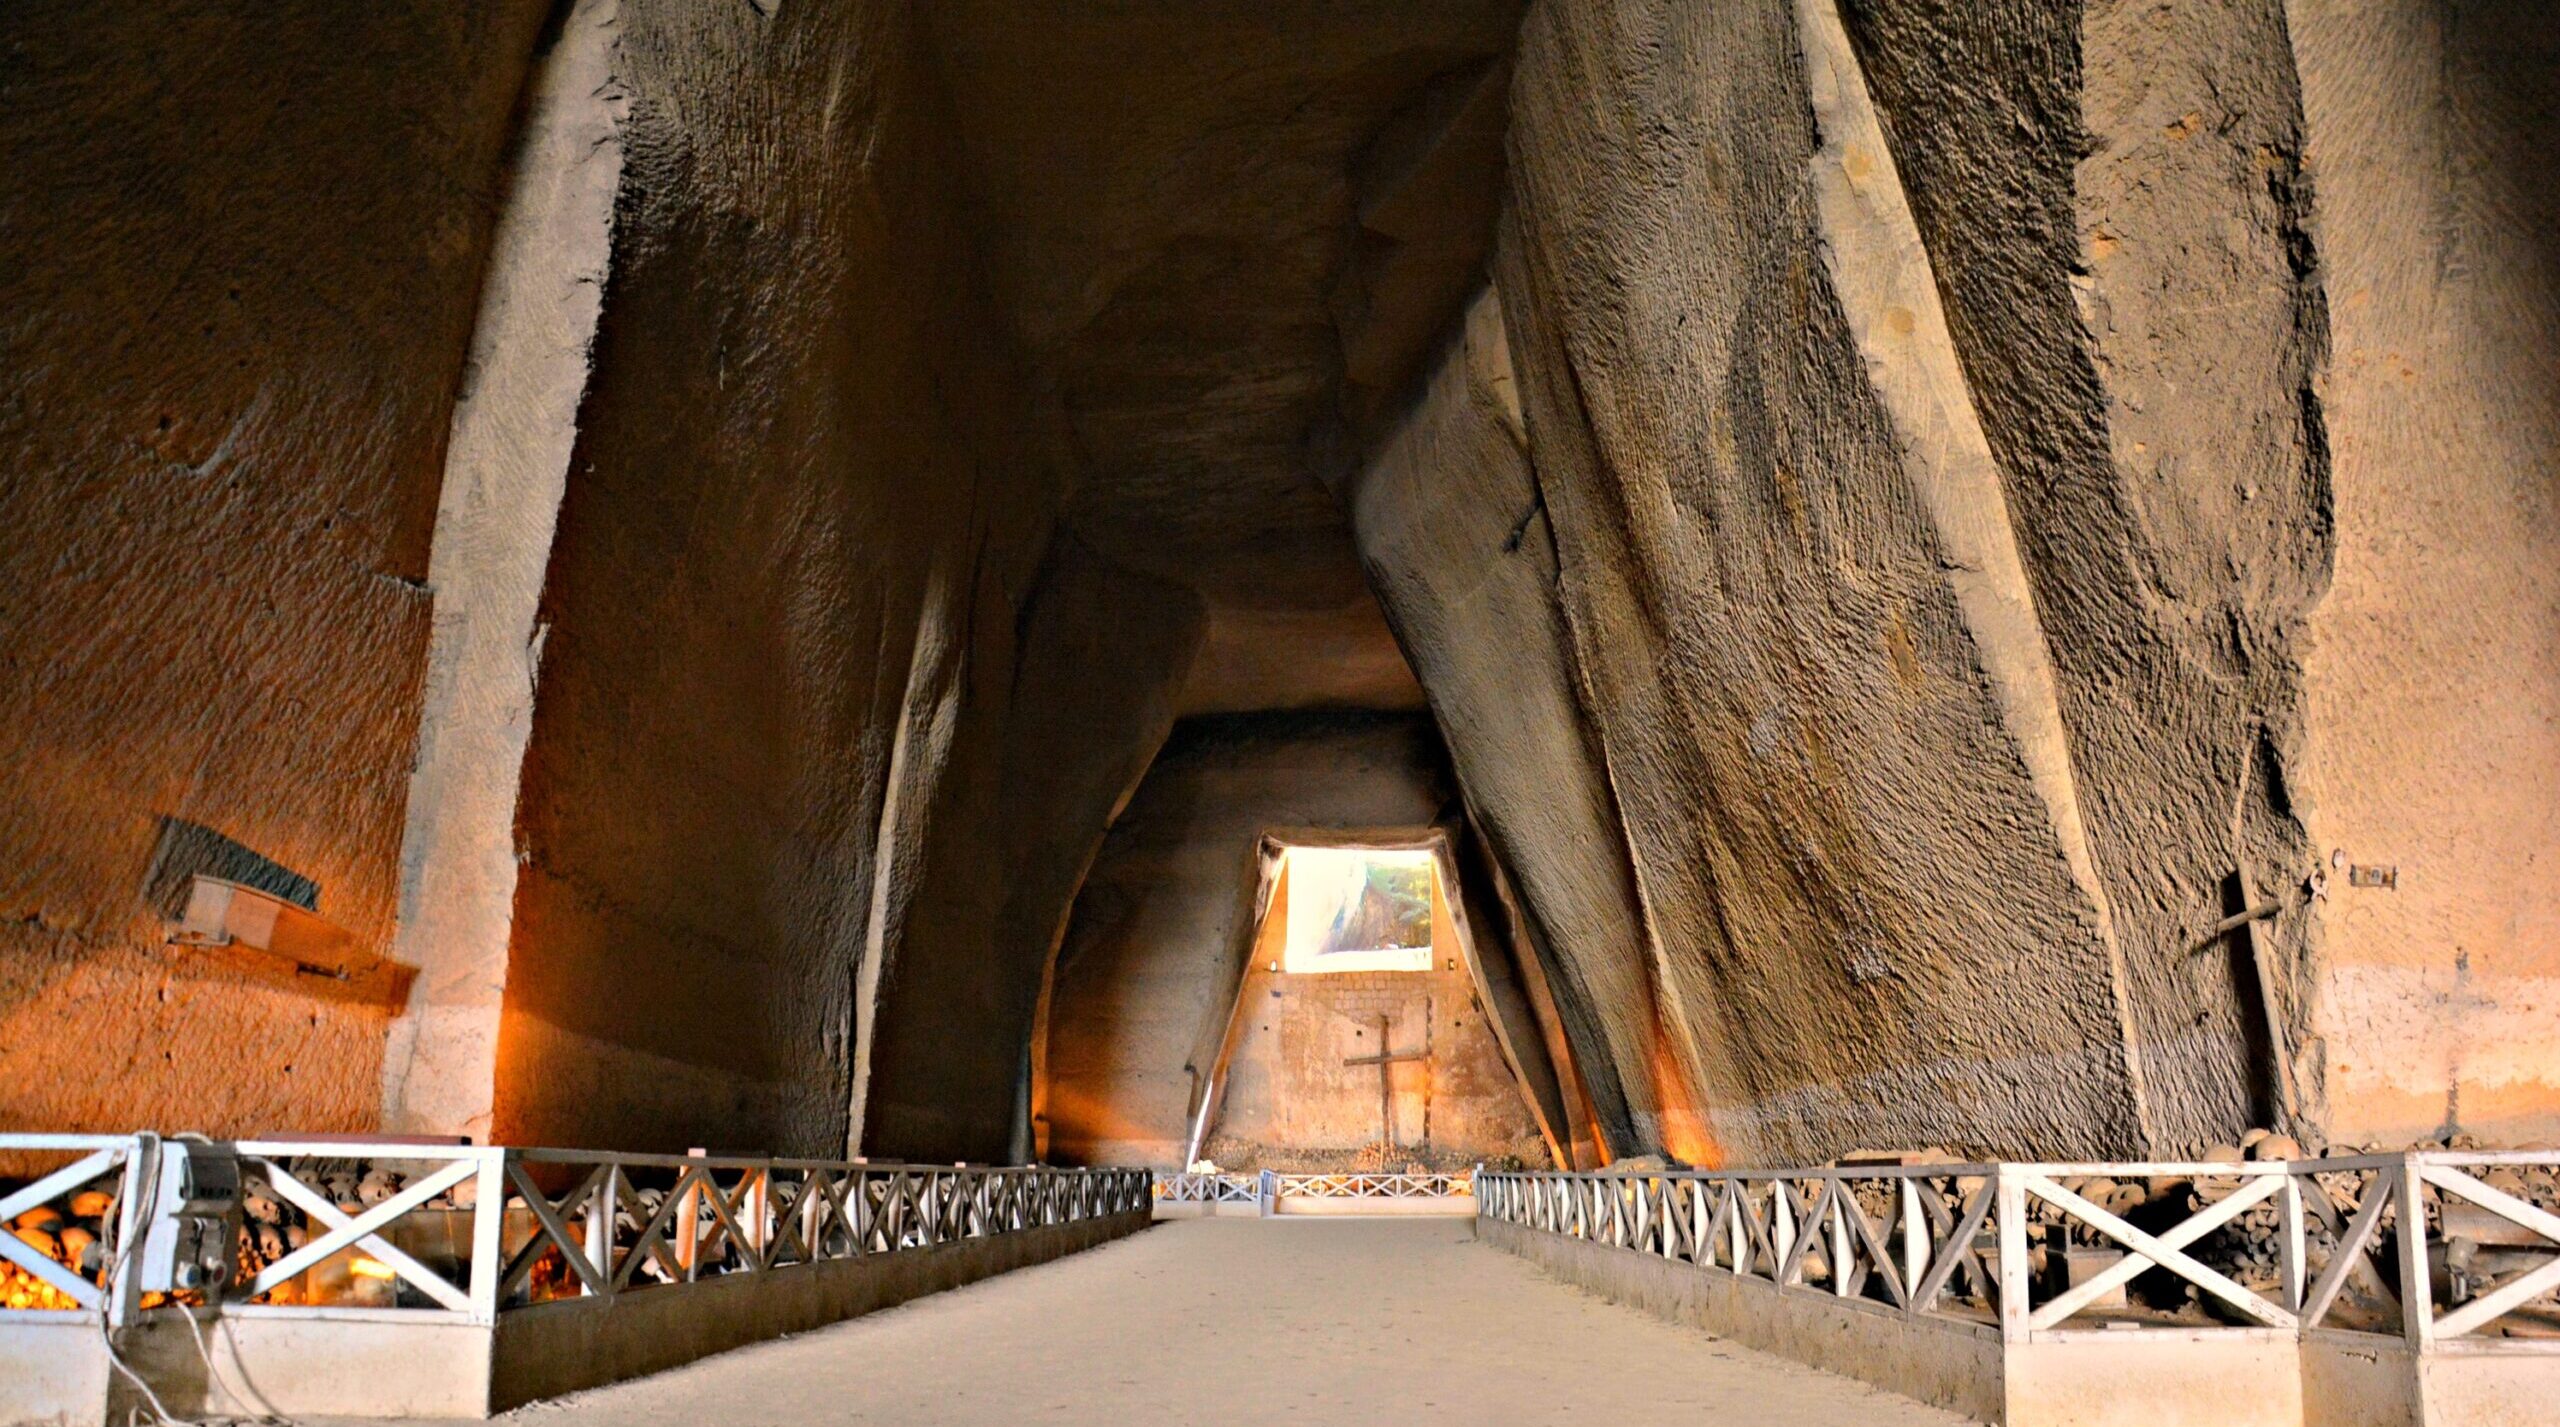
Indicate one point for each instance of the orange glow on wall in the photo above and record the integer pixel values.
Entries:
(1685, 1135)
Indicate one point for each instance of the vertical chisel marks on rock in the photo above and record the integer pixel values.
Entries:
(1887, 289)
(2111, 200)
(1836, 770)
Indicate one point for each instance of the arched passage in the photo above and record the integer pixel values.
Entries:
(1143, 994)
(1346, 1036)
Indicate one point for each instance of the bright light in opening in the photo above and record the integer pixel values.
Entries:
(370, 1268)
(1359, 909)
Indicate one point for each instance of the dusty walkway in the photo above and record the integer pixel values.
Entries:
(1240, 1322)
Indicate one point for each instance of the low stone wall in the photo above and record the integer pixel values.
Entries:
(53, 1371)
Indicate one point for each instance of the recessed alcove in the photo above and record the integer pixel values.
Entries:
(1179, 1023)
(1347, 909)
(1358, 1037)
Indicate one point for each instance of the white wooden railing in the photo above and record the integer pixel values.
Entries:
(1266, 1188)
(55, 1234)
(468, 1233)
(1197, 1187)
(1374, 1186)
(2284, 1245)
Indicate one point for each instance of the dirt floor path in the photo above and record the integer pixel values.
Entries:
(1242, 1322)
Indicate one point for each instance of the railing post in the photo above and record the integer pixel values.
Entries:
(603, 1206)
(2291, 1249)
(2010, 1202)
(758, 1204)
(2417, 1285)
(814, 1207)
(1702, 1218)
(1915, 1232)
(1737, 1233)
(1843, 1253)
(488, 1233)
(125, 1294)
(686, 1230)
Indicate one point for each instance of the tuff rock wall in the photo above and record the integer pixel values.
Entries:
(1801, 635)
(674, 519)
(764, 829)
(1980, 572)
(763, 599)
(615, 552)
(1457, 542)
(2432, 683)
(1289, 1099)
(1092, 699)
(239, 253)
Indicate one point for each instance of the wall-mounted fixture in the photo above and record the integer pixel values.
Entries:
(260, 934)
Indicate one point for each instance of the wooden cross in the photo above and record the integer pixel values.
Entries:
(1386, 1060)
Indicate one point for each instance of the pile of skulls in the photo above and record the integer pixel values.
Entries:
(74, 1236)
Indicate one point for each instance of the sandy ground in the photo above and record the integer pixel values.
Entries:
(1239, 1322)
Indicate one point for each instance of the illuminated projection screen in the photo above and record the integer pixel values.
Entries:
(1359, 909)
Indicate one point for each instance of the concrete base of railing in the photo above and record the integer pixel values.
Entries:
(1201, 1209)
(2360, 1380)
(390, 1365)
(2091, 1378)
(1943, 1363)
(1458, 1206)
(53, 1370)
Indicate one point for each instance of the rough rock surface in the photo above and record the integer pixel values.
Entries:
(222, 419)
(1871, 927)
(1169, 190)
(506, 470)
(806, 504)
(2432, 687)
(1093, 698)
(1456, 540)
(1288, 1102)
(2130, 289)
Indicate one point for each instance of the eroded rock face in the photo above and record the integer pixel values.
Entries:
(1456, 539)
(808, 500)
(239, 249)
(1172, 200)
(1104, 652)
(1947, 518)
(2434, 664)
(1871, 925)
(2130, 290)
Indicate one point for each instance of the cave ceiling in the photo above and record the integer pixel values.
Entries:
(1223, 228)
